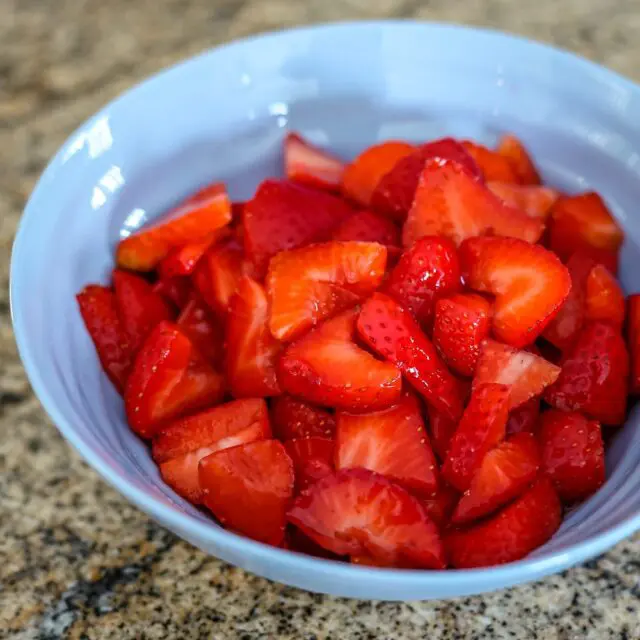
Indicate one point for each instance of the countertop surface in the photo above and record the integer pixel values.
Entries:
(77, 561)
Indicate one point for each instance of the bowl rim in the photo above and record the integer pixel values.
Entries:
(502, 575)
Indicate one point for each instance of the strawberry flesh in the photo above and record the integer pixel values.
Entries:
(512, 148)
(494, 166)
(312, 459)
(307, 164)
(604, 299)
(533, 200)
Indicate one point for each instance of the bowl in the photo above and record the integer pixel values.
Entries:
(222, 115)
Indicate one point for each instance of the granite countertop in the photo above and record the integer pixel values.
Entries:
(77, 560)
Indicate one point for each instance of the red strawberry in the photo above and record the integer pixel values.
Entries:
(360, 513)
(605, 299)
(481, 428)
(391, 331)
(441, 429)
(362, 176)
(203, 329)
(451, 202)
(310, 165)
(429, 270)
(524, 419)
(529, 283)
(312, 459)
(249, 488)
(194, 221)
(252, 352)
(296, 541)
(169, 379)
(175, 290)
(327, 367)
(494, 166)
(366, 226)
(633, 337)
(441, 504)
(183, 260)
(533, 200)
(294, 419)
(594, 375)
(391, 442)
(179, 448)
(284, 215)
(512, 149)
(462, 322)
(140, 307)
(313, 283)
(100, 314)
(512, 533)
(505, 473)
(572, 454)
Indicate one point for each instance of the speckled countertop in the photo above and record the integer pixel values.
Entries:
(76, 560)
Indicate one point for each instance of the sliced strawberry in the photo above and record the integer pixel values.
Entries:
(169, 379)
(284, 215)
(310, 165)
(505, 473)
(366, 226)
(392, 442)
(313, 283)
(99, 311)
(296, 541)
(512, 533)
(252, 352)
(175, 290)
(441, 504)
(605, 299)
(594, 375)
(633, 339)
(441, 429)
(494, 166)
(179, 448)
(451, 202)
(140, 307)
(327, 367)
(183, 260)
(195, 220)
(360, 513)
(525, 418)
(391, 331)
(294, 419)
(362, 176)
(481, 428)
(461, 324)
(511, 148)
(203, 329)
(312, 459)
(427, 271)
(572, 454)
(533, 200)
(529, 284)
(249, 489)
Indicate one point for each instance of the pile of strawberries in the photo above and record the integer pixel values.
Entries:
(406, 361)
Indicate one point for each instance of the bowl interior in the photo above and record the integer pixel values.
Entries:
(222, 116)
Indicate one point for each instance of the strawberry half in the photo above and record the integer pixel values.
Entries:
(505, 473)
(252, 352)
(529, 283)
(366, 226)
(169, 379)
(525, 418)
(307, 164)
(360, 513)
(312, 459)
(249, 488)
(572, 454)
(533, 200)
(327, 367)
(512, 533)
(494, 166)
(179, 447)
(392, 442)
(203, 329)
(513, 150)
(594, 375)
(633, 338)
(391, 331)
(310, 284)
(294, 419)
(605, 299)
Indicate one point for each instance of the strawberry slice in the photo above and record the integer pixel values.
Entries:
(366, 226)
(169, 379)
(179, 448)
(512, 533)
(525, 418)
(183, 260)
(594, 375)
(195, 220)
(140, 307)
(307, 164)
(252, 352)
(395, 191)
(176, 291)
(572, 454)
(529, 283)
(294, 419)
(392, 442)
(313, 283)
(481, 428)
(604, 299)
(312, 459)
(203, 329)
(284, 215)
(494, 166)
(513, 150)
(99, 311)
(441, 504)
(296, 541)
(461, 324)
(248, 488)
(441, 429)
(362, 176)
(360, 513)
(526, 374)
(533, 200)
(504, 474)
(327, 367)
(391, 331)
(427, 271)
(633, 339)
(451, 202)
